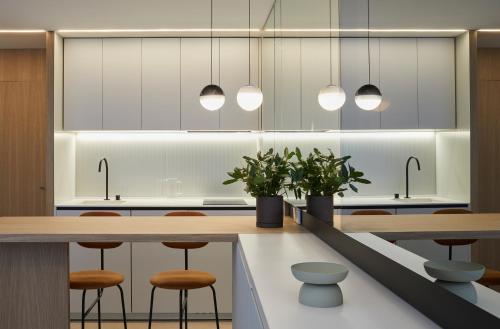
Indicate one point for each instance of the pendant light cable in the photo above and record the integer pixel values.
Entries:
(249, 79)
(369, 55)
(331, 66)
(211, 39)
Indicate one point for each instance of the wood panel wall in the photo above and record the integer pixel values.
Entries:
(26, 132)
(485, 146)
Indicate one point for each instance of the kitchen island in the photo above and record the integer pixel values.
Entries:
(40, 245)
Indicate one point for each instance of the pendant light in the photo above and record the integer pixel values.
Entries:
(249, 97)
(368, 97)
(212, 96)
(331, 97)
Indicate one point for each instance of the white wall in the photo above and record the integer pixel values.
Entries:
(64, 166)
(140, 161)
(453, 164)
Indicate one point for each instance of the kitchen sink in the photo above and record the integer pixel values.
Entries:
(224, 202)
(415, 200)
(103, 202)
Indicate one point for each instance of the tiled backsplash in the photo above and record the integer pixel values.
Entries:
(141, 162)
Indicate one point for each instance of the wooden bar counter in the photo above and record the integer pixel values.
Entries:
(34, 260)
(414, 227)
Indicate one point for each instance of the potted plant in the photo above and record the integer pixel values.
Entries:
(264, 178)
(319, 177)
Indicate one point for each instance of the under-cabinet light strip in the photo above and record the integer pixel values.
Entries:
(22, 31)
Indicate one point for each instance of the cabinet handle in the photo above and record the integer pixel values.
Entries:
(42, 188)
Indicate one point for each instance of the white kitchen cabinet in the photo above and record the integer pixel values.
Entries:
(428, 248)
(398, 83)
(121, 84)
(117, 259)
(161, 89)
(82, 84)
(315, 74)
(246, 313)
(195, 74)
(269, 66)
(354, 74)
(233, 75)
(436, 83)
(153, 257)
(288, 111)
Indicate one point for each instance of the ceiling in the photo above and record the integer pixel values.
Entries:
(182, 14)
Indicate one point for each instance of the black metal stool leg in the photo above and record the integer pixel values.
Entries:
(99, 293)
(123, 307)
(186, 309)
(180, 309)
(83, 308)
(151, 306)
(215, 306)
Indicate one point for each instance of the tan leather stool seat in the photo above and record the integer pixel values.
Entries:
(182, 279)
(490, 278)
(97, 279)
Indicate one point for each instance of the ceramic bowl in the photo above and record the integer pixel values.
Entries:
(454, 271)
(319, 272)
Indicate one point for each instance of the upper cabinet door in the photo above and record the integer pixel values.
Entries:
(288, 109)
(354, 74)
(195, 74)
(398, 83)
(436, 83)
(268, 83)
(122, 84)
(233, 75)
(161, 87)
(315, 66)
(82, 84)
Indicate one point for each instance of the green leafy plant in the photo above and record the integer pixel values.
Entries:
(323, 175)
(264, 175)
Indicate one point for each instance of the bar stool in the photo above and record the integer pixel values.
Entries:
(491, 277)
(97, 279)
(183, 280)
(373, 212)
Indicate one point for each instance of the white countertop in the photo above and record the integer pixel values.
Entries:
(367, 303)
(386, 201)
(487, 299)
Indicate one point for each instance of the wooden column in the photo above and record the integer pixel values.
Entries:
(26, 131)
(34, 285)
(485, 144)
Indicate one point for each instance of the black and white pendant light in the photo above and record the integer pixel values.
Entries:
(212, 96)
(368, 97)
(249, 97)
(331, 97)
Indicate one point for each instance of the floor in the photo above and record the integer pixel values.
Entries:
(157, 325)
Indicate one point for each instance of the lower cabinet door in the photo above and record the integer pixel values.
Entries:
(117, 259)
(150, 258)
(245, 310)
(428, 248)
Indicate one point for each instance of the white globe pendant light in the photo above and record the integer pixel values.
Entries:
(331, 97)
(212, 96)
(368, 97)
(249, 97)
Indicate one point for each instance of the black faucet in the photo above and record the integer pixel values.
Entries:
(407, 164)
(107, 177)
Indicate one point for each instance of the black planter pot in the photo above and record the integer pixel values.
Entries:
(320, 207)
(270, 211)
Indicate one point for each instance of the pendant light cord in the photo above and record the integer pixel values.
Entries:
(211, 40)
(368, 34)
(331, 65)
(249, 59)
